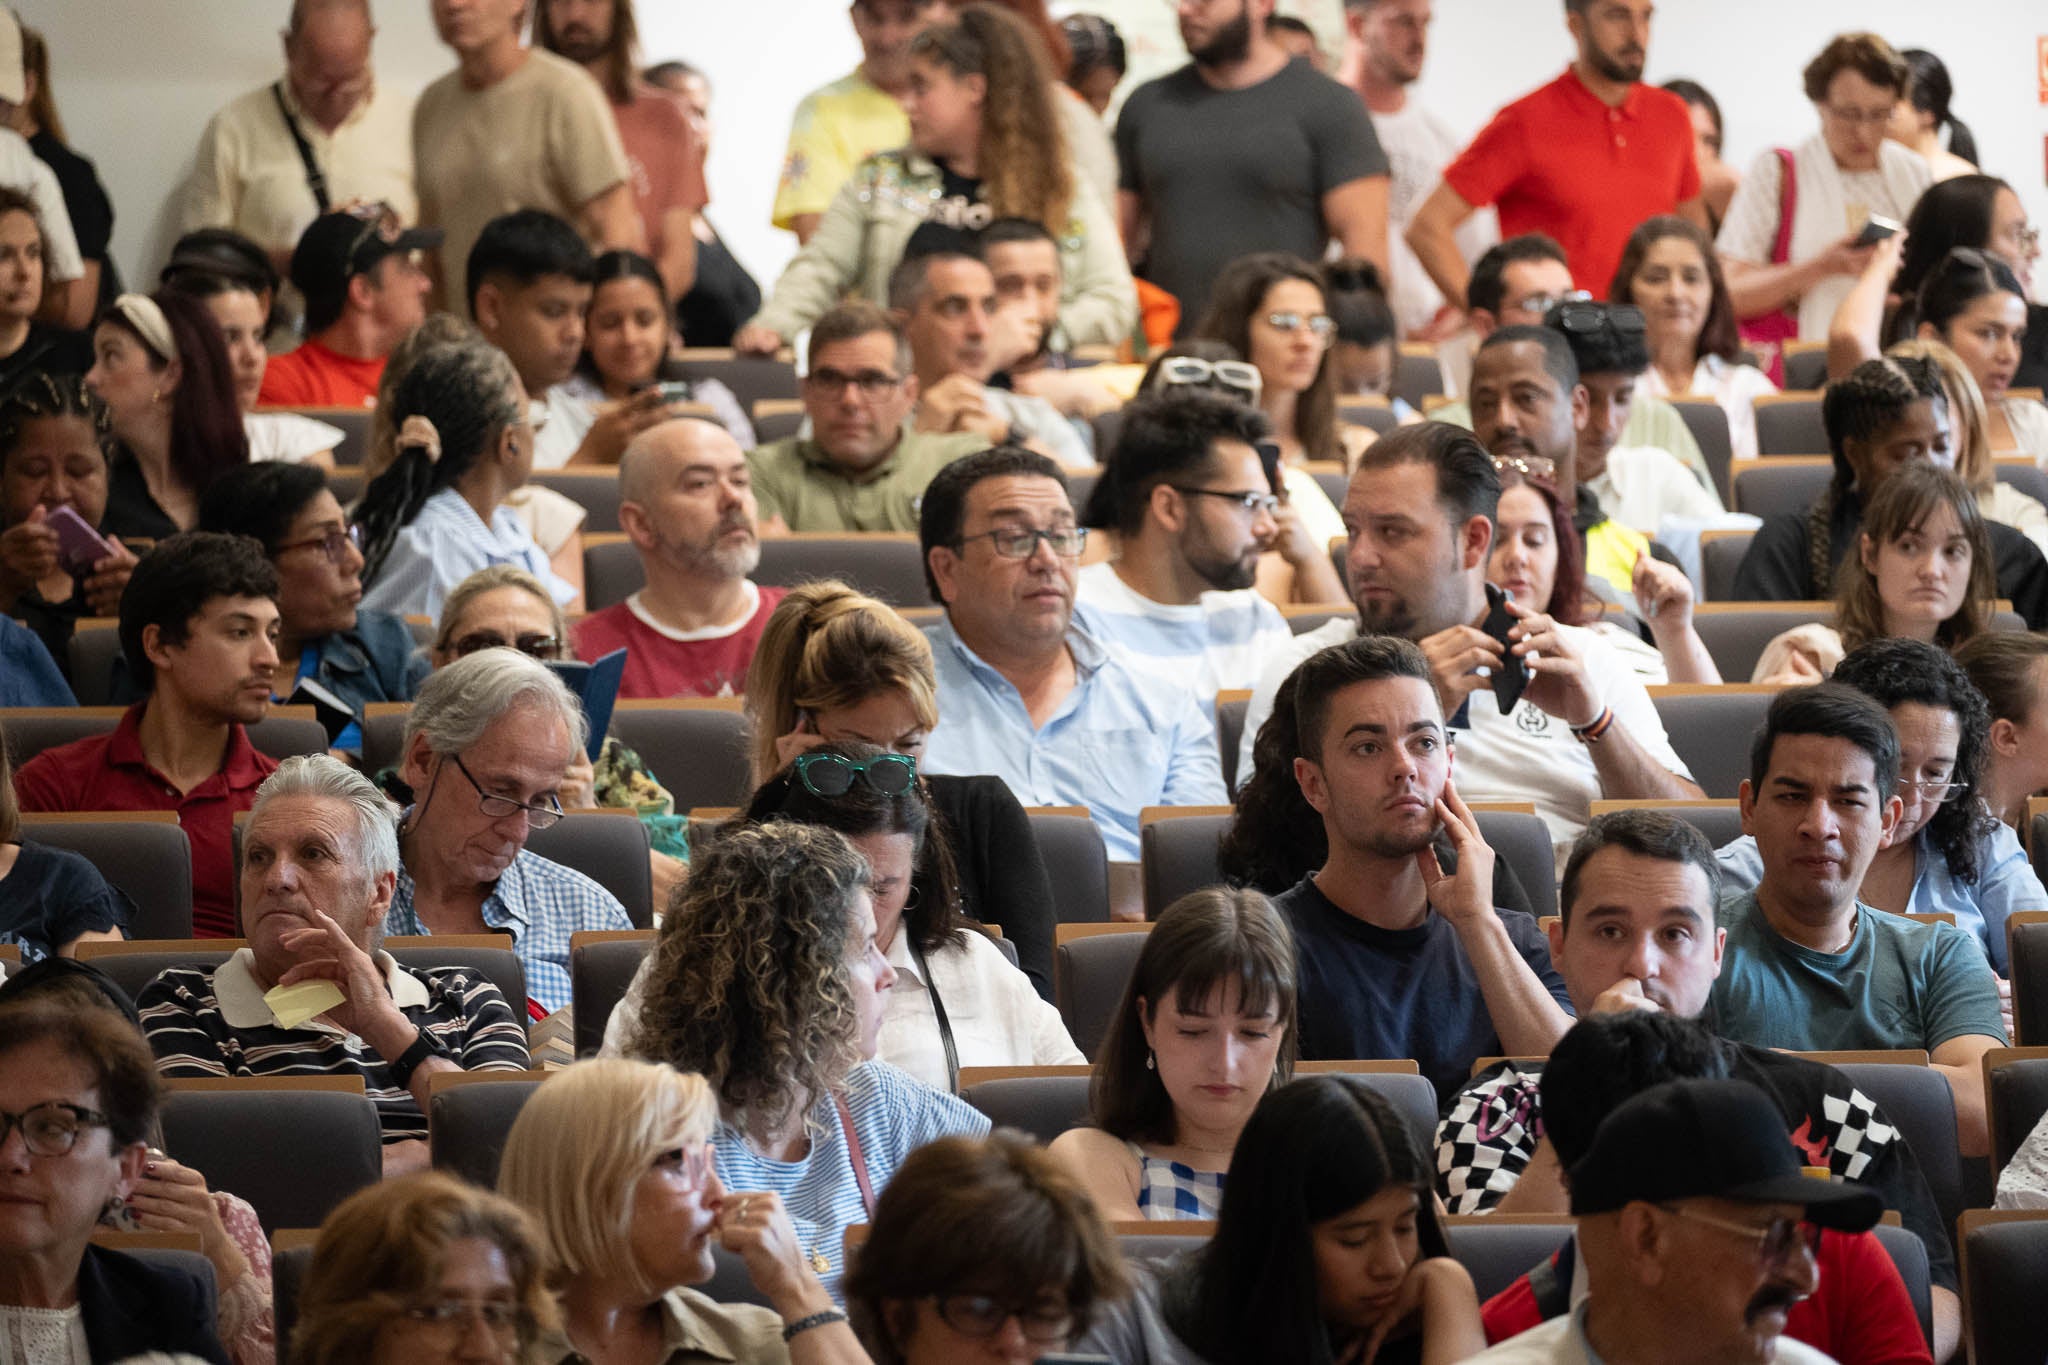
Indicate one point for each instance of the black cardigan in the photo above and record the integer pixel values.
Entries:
(1003, 881)
(131, 1306)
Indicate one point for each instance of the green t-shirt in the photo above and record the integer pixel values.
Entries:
(1900, 984)
(794, 480)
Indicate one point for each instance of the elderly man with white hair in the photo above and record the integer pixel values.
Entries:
(486, 745)
(313, 993)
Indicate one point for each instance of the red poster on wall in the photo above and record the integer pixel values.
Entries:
(2041, 65)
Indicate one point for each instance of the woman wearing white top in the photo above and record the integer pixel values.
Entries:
(958, 1001)
(1841, 177)
(438, 514)
(1668, 269)
(236, 306)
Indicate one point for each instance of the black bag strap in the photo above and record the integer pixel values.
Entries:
(939, 1009)
(1551, 1283)
(316, 179)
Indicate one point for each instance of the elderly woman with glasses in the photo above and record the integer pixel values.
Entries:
(613, 1160)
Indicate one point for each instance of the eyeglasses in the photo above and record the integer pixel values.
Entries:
(1011, 543)
(692, 1164)
(1239, 377)
(448, 1317)
(830, 775)
(50, 1129)
(1539, 305)
(1858, 118)
(498, 807)
(978, 1315)
(1777, 1242)
(1254, 503)
(1528, 466)
(1584, 317)
(1322, 324)
(871, 383)
(335, 543)
(1940, 793)
(2026, 236)
(533, 644)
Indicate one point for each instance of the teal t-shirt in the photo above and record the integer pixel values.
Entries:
(1900, 984)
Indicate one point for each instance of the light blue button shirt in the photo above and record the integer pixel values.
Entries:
(2005, 883)
(446, 543)
(1118, 742)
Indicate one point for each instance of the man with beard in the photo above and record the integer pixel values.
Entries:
(686, 500)
(486, 746)
(199, 633)
(1637, 939)
(1584, 159)
(863, 467)
(1397, 957)
(1698, 1232)
(664, 155)
(1244, 150)
(1026, 690)
(1192, 503)
(1420, 512)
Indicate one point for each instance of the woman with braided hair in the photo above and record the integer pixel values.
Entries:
(438, 514)
(1881, 415)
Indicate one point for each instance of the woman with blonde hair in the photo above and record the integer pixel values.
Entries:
(1922, 570)
(835, 665)
(985, 143)
(766, 980)
(423, 1268)
(612, 1158)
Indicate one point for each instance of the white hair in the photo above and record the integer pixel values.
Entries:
(329, 779)
(460, 702)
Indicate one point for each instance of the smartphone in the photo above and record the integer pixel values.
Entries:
(79, 547)
(674, 391)
(1876, 229)
(1512, 675)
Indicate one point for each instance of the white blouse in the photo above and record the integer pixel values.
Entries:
(1735, 387)
(997, 1018)
(43, 1336)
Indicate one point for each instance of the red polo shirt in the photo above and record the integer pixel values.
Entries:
(315, 377)
(1560, 161)
(109, 772)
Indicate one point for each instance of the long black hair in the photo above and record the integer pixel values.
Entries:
(1313, 1150)
(1276, 837)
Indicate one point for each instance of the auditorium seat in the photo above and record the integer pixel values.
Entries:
(751, 378)
(2005, 1282)
(695, 747)
(2016, 1098)
(1707, 420)
(1806, 366)
(596, 491)
(293, 1146)
(1090, 965)
(2027, 945)
(469, 1115)
(777, 419)
(883, 564)
(1790, 424)
(1177, 847)
(95, 644)
(354, 444)
(1418, 374)
(1496, 1251)
(1719, 820)
(601, 965)
(609, 846)
(1075, 861)
(1230, 708)
(1777, 485)
(1368, 410)
(291, 1256)
(1710, 728)
(29, 730)
(142, 853)
(1721, 553)
(1919, 1102)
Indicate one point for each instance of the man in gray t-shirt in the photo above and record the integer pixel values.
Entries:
(1244, 150)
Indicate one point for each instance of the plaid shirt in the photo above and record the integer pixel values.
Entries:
(541, 903)
(1169, 1191)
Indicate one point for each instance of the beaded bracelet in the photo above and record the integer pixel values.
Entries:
(802, 1325)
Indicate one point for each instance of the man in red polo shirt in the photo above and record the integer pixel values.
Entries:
(1584, 159)
(365, 292)
(199, 632)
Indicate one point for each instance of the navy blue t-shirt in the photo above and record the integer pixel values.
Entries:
(53, 895)
(1370, 994)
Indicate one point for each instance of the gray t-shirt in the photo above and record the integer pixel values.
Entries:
(1224, 173)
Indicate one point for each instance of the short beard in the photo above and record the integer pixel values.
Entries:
(1384, 845)
(1395, 618)
(1225, 575)
(1232, 43)
(1612, 67)
(582, 53)
(711, 559)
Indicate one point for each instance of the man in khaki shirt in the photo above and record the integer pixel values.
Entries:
(863, 468)
(250, 175)
(514, 128)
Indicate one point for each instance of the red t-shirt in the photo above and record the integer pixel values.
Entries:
(314, 377)
(109, 772)
(1560, 161)
(1860, 1313)
(664, 663)
(664, 160)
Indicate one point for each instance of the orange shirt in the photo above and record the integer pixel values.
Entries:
(314, 377)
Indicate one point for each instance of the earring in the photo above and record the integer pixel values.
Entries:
(156, 395)
(1151, 1060)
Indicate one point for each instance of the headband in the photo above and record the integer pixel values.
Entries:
(141, 312)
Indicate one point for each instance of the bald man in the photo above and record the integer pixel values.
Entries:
(686, 499)
(251, 174)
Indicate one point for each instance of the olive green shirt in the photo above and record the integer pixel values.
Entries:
(693, 1328)
(794, 480)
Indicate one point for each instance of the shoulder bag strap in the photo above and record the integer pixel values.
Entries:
(855, 1155)
(938, 1008)
(1788, 204)
(316, 179)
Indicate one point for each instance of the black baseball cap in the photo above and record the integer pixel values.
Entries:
(340, 246)
(1721, 1139)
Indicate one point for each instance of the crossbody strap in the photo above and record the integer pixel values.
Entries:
(316, 179)
(1788, 205)
(939, 1008)
(855, 1155)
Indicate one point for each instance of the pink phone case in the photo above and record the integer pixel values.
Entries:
(79, 547)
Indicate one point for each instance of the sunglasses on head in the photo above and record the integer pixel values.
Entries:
(1236, 378)
(533, 644)
(833, 775)
(1588, 318)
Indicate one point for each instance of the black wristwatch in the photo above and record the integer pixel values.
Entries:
(409, 1060)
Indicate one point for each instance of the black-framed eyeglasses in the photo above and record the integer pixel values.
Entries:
(1252, 502)
(832, 775)
(51, 1128)
(1018, 543)
(871, 383)
(498, 807)
(1777, 1241)
(334, 543)
(979, 1315)
(533, 644)
(502, 1318)
(1585, 317)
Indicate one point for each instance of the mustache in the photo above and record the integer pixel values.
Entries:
(1771, 1298)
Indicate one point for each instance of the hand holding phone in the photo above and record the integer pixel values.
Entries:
(1876, 228)
(79, 547)
(1511, 675)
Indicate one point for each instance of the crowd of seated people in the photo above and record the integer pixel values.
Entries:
(1111, 468)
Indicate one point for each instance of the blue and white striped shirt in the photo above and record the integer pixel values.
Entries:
(1222, 641)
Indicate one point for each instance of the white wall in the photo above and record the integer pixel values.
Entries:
(136, 79)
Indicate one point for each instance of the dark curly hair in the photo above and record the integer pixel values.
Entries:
(748, 984)
(1275, 838)
(1894, 671)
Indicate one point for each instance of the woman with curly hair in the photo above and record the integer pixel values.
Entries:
(985, 143)
(1948, 853)
(766, 980)
(424, 1267)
